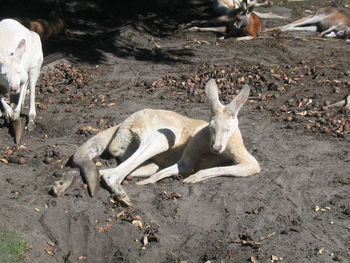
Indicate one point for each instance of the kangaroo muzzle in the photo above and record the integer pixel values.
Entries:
(15, 89)
(216, 149)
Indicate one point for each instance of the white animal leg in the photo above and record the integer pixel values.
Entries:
(167, 172)
(22, 94)
(244, 38)
(183, 166)
(155, 143)
(221, 29)
(311, 20)
(145, 170)
(33, 77)
(239, 170)
(302, 28)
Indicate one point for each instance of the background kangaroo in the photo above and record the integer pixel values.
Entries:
(240, 23)
(225, 7)
(150, 140)
(329, 21)
(21, 57)
(48, 28)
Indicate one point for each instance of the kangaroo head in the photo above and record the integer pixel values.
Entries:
(10, 68)
(343, 32)
(224, 121)
(241, 15)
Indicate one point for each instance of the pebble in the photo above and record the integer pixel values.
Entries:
(42, 106)
(22, 160)
(347, 211)
(48, 159)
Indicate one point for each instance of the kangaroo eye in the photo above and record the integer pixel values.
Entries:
(12, 54)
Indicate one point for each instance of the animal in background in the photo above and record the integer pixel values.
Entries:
(51, 27)
(160, 144)
(241, 23)
(21, 57)
(225, 7)
(328, 21)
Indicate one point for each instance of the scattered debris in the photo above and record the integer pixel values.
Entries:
(61, 185)
(275, 258)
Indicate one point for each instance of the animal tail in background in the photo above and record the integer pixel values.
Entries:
(51, 27)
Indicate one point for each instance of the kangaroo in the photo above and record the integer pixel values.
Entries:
(48, 28)
(329, 21)
(21, 57)
(160, 143)
(240, 23)
(225, 7)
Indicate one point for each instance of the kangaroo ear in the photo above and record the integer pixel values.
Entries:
(250, 8)
(235, 105)
(21, 48)
(212, 92)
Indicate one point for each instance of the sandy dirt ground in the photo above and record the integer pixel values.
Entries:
(296, 210)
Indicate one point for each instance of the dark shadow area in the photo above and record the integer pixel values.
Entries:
(121, 28)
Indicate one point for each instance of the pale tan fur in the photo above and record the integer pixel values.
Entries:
(161, 143)
(329, 21)
(224, 7)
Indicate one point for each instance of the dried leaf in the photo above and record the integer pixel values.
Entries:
(4, 160)
(50, 243)
(104, 228)
(137, 223)
(175, 195)
(253, 259)
(49, 251)
(121, 214)
(275, 258)
(137, 217)
(99, 164)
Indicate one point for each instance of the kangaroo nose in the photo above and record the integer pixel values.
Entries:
(216, 148)
(15, 89)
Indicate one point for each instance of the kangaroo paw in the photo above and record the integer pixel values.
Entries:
(30, 126)
(121, 196)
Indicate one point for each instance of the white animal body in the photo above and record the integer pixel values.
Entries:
(329, 21)
(160, 144)
(21, 57)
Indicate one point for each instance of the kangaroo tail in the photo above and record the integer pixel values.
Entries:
(94, 147)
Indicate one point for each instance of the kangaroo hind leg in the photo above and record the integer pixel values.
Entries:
(153, 143)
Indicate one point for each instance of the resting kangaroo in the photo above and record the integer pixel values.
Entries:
(161, 143)
(240, 23)
(21, 57)
(225, 7)
(48, 28)
(329, 21)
